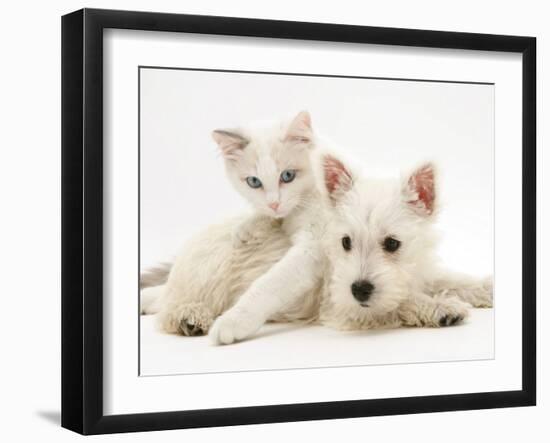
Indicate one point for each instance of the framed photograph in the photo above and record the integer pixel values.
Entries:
(268, 221)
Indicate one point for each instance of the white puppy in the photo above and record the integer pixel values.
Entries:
(380, 244)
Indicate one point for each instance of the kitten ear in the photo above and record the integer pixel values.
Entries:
(299, 131)
(230, 142)
(419, 190)
(337, 177)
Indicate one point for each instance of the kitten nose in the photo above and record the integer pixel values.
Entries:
(362, 290)
(274, 205)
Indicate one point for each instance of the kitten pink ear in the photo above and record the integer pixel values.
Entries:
(299, 130)
(229, 142)
(338, 179)
(419, 189)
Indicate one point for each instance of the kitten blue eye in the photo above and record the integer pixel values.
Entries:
(288, 175)
(253, 182)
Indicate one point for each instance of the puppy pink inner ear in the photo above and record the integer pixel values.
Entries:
(422, 185)
(300, 130)
(337, 178)
(229, 142)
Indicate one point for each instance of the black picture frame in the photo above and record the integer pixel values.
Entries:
(82, 220)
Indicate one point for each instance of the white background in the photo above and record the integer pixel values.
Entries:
(30, 179)
(382, 125)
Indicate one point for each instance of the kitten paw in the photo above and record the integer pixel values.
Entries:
(190, 319)
(253, 229)
(241, 236)
(235, 325)
(189, 329)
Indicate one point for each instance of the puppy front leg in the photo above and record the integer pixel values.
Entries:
(424, 310)
(285, 282)
(476, 291)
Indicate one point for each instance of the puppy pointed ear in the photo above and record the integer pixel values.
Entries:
(419, 189)
(230, 142)
(337, 177)
(299, 131)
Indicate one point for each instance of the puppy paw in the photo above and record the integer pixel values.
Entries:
(484, 295)
(478, 293)
(235, 325)
(450, 320)
(449, 312)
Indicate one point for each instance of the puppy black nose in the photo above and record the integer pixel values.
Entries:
(361, 290)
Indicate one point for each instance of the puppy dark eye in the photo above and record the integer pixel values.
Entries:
(391, 244)
(346, 243)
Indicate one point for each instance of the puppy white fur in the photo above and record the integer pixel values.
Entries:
(381, 249)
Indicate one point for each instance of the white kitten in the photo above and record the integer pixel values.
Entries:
(274, 173)
(270, 167)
